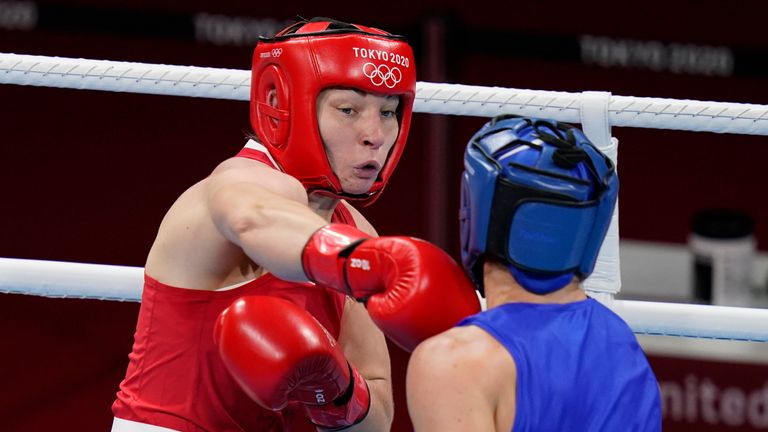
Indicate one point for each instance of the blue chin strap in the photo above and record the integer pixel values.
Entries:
(540, 283)
(539, 197)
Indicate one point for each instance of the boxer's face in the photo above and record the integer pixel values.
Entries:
(358, 130)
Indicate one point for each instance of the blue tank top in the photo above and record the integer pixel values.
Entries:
(579, 368)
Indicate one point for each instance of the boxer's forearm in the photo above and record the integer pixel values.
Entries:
(379, 418)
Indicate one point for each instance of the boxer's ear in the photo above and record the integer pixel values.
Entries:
(272, 97)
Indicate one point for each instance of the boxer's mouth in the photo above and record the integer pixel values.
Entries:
(366, 170)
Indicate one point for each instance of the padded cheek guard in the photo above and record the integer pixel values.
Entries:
(540, 219)
(291, 69)
(477, 190)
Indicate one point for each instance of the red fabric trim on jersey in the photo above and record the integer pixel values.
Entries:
(257, 155)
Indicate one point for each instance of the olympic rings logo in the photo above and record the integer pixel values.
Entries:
(382, 74)
(277, 52)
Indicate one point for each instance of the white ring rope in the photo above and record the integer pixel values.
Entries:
(74, 280)
(435, 98)
(109, 282)
(70, 280)
(83, 74)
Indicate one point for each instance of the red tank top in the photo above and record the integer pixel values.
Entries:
(175, 377)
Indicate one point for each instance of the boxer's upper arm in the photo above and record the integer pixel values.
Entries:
(264, 182)
(264, 212)
(450, 384)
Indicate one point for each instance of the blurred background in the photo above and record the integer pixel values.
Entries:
(87, 176)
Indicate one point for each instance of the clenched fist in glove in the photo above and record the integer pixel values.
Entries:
(412, 289)
(279, 353)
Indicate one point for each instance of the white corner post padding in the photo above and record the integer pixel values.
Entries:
(605, 281)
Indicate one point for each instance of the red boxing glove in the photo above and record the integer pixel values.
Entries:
(412, 289)
(279, 353)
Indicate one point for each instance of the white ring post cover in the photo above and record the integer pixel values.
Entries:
(605, 280)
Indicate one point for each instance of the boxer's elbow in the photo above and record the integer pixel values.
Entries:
(257, 222)
(239, 211)
(242, 224)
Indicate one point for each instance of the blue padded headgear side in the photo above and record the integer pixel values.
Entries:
(538, 196)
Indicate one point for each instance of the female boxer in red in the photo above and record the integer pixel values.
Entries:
(248, 315)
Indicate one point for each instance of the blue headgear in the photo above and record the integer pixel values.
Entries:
(538, 196)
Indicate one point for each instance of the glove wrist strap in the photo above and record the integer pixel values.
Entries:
(347, 410)
(325, 254)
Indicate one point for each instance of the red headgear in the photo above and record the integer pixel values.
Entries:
(308, 57)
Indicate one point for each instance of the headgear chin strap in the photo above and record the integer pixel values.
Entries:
(290, 70)
(538, 196)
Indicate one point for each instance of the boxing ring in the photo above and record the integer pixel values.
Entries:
(596, 111)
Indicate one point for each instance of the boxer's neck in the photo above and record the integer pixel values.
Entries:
(323, 205)
(501, 287)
